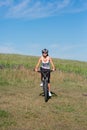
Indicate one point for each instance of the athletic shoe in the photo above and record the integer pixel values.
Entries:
(50, 94)
(41, 84)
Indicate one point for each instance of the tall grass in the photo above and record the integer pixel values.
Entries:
(70, 66)
(14, 61)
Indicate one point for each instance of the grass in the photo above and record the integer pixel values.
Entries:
(22, 105)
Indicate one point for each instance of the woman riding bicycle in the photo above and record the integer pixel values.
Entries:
(45, 60)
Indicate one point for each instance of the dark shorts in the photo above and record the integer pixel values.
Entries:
(48, 74)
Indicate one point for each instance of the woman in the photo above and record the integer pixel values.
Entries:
(45, 60)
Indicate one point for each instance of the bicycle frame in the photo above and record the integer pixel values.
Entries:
(45, 83)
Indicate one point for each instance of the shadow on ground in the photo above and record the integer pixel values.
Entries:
(53, 94)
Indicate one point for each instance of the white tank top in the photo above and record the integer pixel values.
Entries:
(45, 62)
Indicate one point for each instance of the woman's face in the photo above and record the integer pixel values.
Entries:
(44, 54)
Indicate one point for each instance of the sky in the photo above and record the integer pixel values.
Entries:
(28, 26)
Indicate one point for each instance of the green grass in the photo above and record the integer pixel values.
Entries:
(6, 119)
(22, 106)
(3, 114)
(72, 66)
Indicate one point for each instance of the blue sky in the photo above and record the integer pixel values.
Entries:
(28, 26)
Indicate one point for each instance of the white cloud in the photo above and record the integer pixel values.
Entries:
(8, 48)
(36, 9)
(5, 49)
(4, 3)
(31, 49)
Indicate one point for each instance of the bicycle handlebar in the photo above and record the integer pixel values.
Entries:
(47, 70)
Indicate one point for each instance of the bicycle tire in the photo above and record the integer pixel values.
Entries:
(46, 91)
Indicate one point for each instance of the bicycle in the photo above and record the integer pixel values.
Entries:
(45, 83)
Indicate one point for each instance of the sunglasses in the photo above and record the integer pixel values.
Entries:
(44, 53)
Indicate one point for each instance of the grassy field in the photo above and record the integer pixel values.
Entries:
(22, 105)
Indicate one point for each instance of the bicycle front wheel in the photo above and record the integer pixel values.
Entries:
(46, 95)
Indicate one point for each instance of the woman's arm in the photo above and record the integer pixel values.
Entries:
(37, 65)
(51, 61)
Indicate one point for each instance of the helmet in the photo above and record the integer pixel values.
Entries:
(45, 51)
